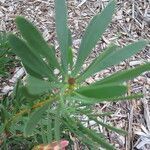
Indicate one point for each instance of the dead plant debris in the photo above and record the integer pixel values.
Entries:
(131, 22)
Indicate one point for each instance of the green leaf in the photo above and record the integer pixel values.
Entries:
(42, 132)
(2, 129)
(4, 45)
(30, 59)
(24, 94)
(57, 125)
(103, 143)
(125, 75)
(69, 38)
(103, 91)
(94, 31)
(31, 72)
(36, 86)
(115, 57)
(90, 70)
(70, 57)
(62, 31)
(4, 113)
(86, 100)
(72, 126)
(119, 131)
(49, 128)
(70, 53)
(89, 112)
(133, 96)
(34, 119)
(35, 40)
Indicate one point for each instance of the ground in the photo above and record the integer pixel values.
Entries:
(130, 23)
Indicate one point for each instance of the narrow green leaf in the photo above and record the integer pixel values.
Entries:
(72, 126)
(69, 38)
(31, 72)
(134, 96)
(62, 31)
(2, 129)
(125, 75)
(95, 29)
(4, 113)
(35, 40)
(103, 91)
(89, 111)
(30, 59)
(25, 94)
(119, 131)
(70, 53)
(34, 119)
(103, 143)
(99, 59)
(115, 57)
(70, 57)
(90, 101)
(36, 86)
(57, 126)
(49, 128)
(42, 132)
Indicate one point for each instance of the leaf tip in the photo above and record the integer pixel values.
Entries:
(19, 18)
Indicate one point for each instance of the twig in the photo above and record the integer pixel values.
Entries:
(146, 109)
(133, 9)
(81, 3)
(129, 136)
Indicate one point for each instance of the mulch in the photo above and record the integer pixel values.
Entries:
(130, 23)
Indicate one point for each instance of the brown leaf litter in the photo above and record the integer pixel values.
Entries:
(130, 23)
